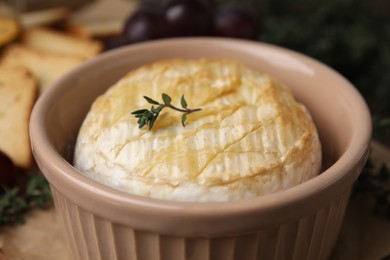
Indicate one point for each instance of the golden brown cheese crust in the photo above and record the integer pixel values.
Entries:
(250, 138)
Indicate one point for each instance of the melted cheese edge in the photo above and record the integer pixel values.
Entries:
(251, 137)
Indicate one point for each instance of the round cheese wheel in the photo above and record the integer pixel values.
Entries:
(250, 138)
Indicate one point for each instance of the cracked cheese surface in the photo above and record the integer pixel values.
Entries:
(251, 137)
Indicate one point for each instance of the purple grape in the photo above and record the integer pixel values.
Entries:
(237, 21)
(146, 23)
(189, 17)
(7, 172)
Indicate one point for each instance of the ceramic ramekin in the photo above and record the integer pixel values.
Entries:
(299, 223)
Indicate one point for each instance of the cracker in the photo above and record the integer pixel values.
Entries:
(47, 67)
(60, 42)
(18, 92)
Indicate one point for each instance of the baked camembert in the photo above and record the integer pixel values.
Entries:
(250, 138)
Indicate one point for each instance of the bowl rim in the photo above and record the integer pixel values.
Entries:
(351, 159)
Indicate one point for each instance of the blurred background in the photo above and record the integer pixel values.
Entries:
(351, 36)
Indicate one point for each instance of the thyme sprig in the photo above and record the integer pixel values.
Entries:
(149, 117)
(16, 201)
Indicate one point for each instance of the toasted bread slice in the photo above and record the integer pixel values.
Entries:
(45, 66)
(18, 92)
(101, 19)
(44, 17)
(59, 42)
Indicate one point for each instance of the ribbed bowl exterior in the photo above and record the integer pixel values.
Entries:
(94, 238)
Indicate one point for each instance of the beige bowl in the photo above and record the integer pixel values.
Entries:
(299, 223)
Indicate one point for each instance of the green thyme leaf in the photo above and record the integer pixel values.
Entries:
(141, 124)
(149, 117)
(167, 99)
(151, 101)
(183, 119)
(183, 102)
(139, 112)
(151, 123)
